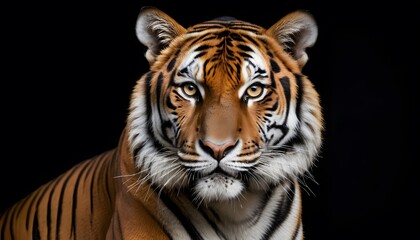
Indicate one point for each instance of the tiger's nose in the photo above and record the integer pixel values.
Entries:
(217, 151)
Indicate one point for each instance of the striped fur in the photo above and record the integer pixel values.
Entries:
(220, 130)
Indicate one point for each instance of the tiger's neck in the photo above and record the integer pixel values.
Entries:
(142, 212)
(255, 215)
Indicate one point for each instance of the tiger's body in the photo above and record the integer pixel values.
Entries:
(218, 134)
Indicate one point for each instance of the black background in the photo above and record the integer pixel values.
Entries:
(69, 67)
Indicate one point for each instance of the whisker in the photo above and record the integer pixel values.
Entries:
(178, 170)
(126, 175)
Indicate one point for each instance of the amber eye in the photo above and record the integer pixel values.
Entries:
(254, 91)
(189, 89)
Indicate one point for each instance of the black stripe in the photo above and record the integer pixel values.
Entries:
(242, 55)
(158, 93)
(172, 77)
(261, 130)
(60, 200)
(119, 226)
(285, 83)
(239, 38)
(137, 150)
(202, 47)
(274, 66)
(147, 95)
(33, 197)
(91, 187)
(51, 193)
(94, 166)
(59, 211)
(186, 223)
(295, 140)
(16, 210)
(266, 100)
(266, 120)
(197, 39)
(263, 204)
(149, 111)
(285, 130)
(238, 73)
(282, 127)
(251, 39)
(38, 199)
(299, 96)
(213, 224)
(205, 27)
(75, 197)
(228, 45)
(103, 171)
(274, 107)
(267, 115)
(4, 224)
(269, 53)
(220, 46)
(148, 81)
(35, 230)
(11, 222)
(281, 212)
(36, 235)
(296, 230)
(199, 55)
(171, 64)
(245, 48)
(169, 104)
(204, 67)
(108, 172)
(261, 73)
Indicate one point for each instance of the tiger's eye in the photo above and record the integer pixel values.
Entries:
(189, 89)
(254, 91)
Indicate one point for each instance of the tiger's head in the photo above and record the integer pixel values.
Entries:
(224, 108)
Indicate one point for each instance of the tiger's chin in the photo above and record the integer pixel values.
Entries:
(217, 187)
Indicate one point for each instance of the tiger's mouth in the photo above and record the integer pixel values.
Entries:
(209, 167)
(230, 166)
(220, 171)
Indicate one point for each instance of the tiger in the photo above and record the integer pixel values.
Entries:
(220, 131)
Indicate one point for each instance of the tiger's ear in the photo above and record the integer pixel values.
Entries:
(295, 32)
(156, 30)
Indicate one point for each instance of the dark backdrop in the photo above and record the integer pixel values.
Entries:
(69, 68)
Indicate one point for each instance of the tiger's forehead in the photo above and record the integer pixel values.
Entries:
(224, 49)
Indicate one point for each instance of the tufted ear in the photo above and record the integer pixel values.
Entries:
(295, 32)
(156, 30)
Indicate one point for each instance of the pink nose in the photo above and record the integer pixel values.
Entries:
(215, 150)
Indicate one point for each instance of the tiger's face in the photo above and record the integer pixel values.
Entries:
(224, 108)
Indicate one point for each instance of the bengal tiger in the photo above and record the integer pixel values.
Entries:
(220, 131)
